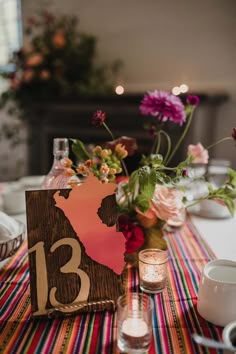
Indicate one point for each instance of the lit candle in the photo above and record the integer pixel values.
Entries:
(134, 327)
(152, 279)
(152, 270)
(134, 322)
(152, 275)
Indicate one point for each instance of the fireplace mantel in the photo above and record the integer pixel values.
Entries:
(72, 118)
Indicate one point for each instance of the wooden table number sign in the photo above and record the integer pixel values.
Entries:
(75, 260)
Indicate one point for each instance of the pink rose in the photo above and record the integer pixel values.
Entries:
(166, 202)
(198, 153)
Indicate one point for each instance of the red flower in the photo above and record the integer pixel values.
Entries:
(122, 179)
(234, 134)
(98, 118)
(193, 100)
(134, 234)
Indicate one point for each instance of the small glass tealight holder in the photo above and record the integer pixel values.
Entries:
(134, 322)
(152, 270)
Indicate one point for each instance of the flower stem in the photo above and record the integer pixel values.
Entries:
(196, 201)
(219, 142)
(154, 144)
(168, 145)
(125, 168)
(158, 142)
(113, 138)
(181, 137)
(167, 168)
(108, 130)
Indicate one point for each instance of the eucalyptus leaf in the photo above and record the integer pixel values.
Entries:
(230, 205)
(232, 177)
(142, 202)
(133, 181)
(79, 150)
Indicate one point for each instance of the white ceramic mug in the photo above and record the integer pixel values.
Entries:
(217, 292)
(229, 335)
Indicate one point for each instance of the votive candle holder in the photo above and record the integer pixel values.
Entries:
(134, 322)
(152, 270)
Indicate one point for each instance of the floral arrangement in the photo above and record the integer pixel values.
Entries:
(152, 195)
(57, 61)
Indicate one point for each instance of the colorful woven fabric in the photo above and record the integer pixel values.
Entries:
(174, 320)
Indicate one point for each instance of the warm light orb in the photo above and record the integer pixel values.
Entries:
(184, 88)
(119, 90)
(176, 90)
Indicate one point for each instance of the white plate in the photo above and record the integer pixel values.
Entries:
(31, 182)
(9, 243)
(209, 209)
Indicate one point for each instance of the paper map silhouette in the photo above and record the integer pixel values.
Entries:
(102, 243)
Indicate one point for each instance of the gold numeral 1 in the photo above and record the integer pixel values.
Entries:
(72, 266)
(41, 277)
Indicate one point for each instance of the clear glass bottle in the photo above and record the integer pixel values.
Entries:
(56, 177)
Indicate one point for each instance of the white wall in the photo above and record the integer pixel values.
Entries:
(163, 43)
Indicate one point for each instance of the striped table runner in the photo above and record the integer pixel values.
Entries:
(175, 316)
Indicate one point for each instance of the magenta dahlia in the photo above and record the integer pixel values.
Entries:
(163, 105)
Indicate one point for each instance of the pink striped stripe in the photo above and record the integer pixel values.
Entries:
(174, 320)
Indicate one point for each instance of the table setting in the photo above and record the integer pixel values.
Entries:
(175, 315)
(112, 263)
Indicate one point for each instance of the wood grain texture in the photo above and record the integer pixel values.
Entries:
(46, 223)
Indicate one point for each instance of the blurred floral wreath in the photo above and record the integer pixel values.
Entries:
(57, 62)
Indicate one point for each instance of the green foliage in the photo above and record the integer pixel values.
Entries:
(59, 61)
(79, 150)
(226, 193)
(147, 182)
(153, 160)
(154, 237)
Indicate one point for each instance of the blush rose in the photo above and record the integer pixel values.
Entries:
(166, 202)
(198, 153)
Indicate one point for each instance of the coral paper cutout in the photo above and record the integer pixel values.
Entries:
(102, 243)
